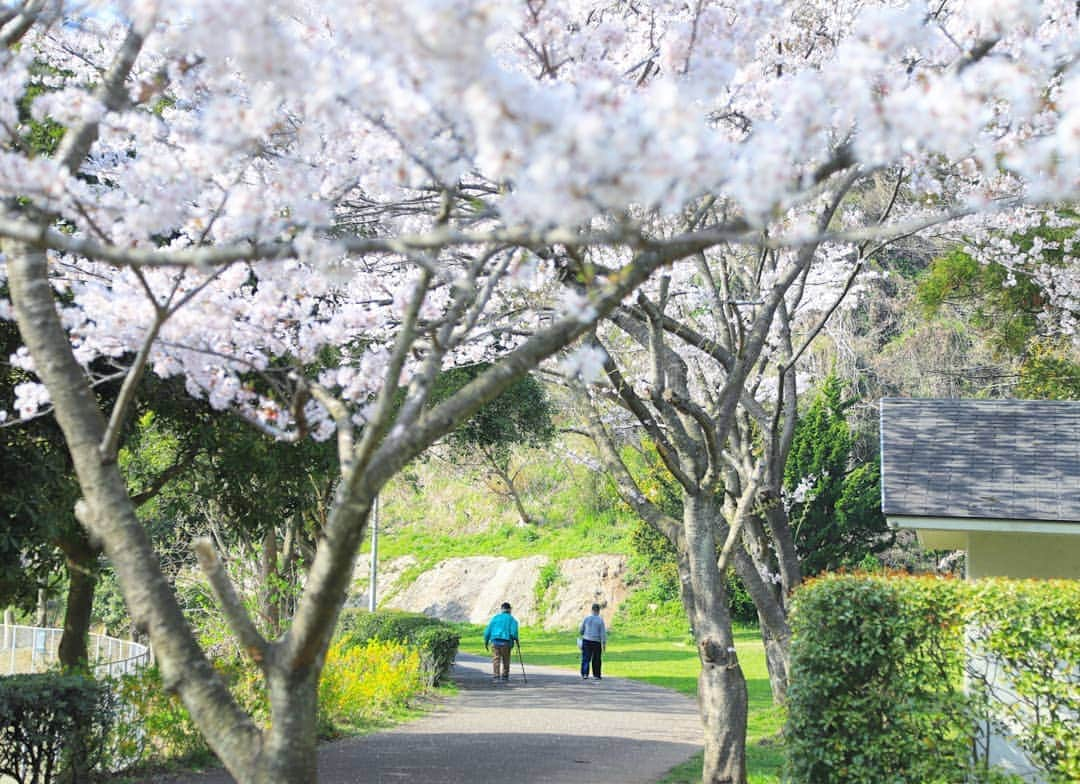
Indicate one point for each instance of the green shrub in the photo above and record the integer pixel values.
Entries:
(161, 727)
(547, 581)
(53, 727)
(437, 641)
(1030, 630)
(879, 664)
(363, 681)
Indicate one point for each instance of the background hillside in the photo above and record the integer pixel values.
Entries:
(452, 544)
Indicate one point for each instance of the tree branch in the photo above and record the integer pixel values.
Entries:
(235, 613)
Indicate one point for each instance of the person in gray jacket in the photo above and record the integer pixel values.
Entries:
(593, 642)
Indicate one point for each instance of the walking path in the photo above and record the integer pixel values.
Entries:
(554, 729)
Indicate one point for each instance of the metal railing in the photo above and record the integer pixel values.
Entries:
(34, 649)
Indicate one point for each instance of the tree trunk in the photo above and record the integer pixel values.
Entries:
(777, 660)
(82, 568)
(772, 616)
(289, 750)
(502, 473)
(41, 614)
(722, 697)
(108, 513)
(269, 576)
(515, 496)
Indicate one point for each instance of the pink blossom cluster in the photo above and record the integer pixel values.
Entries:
(310, 124)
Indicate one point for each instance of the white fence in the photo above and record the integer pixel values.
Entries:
(34, 649)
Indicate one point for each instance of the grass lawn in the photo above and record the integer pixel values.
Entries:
(673, 664)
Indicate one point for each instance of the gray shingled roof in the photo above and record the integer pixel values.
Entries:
(993, 459)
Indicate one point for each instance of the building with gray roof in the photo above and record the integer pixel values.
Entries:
(999, 479)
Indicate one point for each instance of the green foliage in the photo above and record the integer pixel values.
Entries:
(363, 684)
(656, 567)
(53, 727)
(1008, 309)
(520, 415)
(546, 581)
(1049, 372)
(655, 481)
(39, 492)
(835, 512)
(436, 640)
(432, 514)
(161, 727)
(654, 603)
(878, 667)
(248, 482)
(655, 572)
(1031, 632)
(1008, 313)
(43, 137)
(875, 690)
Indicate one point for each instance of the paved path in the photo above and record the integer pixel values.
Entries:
(554, 729)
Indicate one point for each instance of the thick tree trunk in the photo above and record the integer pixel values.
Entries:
(722, 697)
(289, 750)
(82, 567)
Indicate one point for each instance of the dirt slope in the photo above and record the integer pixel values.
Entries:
(471, 589)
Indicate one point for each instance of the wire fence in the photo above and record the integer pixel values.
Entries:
(35, 648)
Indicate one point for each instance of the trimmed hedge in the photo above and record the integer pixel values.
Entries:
(437, 642)
(53, 727)
(879, 667)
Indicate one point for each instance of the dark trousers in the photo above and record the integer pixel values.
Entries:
(590, 652)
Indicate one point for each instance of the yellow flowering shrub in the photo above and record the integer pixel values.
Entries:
(361, 683)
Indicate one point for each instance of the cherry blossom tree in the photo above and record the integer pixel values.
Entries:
(706, 362)
(307, 211)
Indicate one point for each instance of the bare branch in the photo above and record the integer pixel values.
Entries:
(379, 422)
(235, 613)
(110, 443)
(340, 413)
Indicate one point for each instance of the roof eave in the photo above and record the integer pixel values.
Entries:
(989, 525)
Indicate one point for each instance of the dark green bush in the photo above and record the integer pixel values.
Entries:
(438, 642)
(879, 667)
(53, 727)
(875, 692)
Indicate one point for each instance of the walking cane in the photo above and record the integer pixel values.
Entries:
(521, 661)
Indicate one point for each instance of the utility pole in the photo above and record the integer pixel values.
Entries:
(374, 553)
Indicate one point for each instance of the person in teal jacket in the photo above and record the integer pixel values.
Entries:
(501, 634)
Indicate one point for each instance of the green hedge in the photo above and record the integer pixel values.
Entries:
(53, 727)
(1031, 633)
(438, 642)
(878, 673)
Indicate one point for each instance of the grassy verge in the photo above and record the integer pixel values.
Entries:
(596, 535)
(672, 664)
